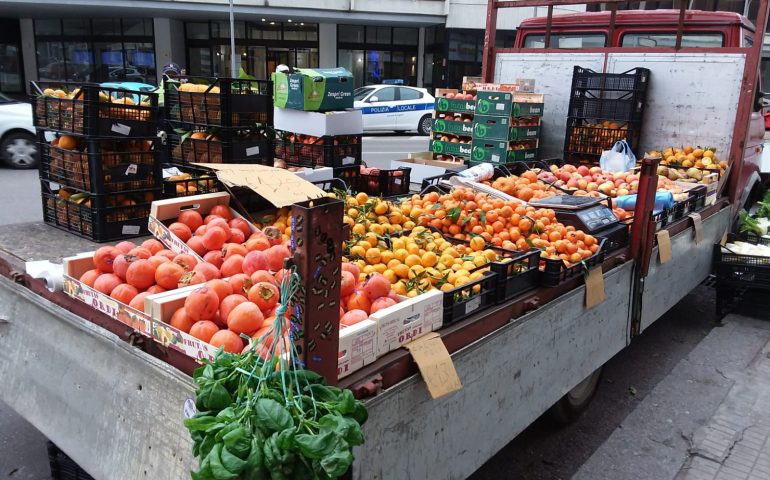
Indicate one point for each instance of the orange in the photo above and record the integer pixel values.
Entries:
(373, 256)
(429, 259)
(477, 244)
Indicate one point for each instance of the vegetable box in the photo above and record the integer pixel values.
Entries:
(165, 212)
(74, 267)
(407, 320)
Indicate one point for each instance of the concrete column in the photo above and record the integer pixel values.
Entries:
(169, 43)
(28, 54)
(327, 45)
(420, 55)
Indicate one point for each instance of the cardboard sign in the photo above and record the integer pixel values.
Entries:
(724, 239)
(664, 246)
(594, 287)
(276, 185)
(435, 364)
(697, 225)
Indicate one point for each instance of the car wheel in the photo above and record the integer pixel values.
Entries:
(20, 150)
(424, 127)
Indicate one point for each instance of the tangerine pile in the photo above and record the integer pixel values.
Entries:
(525, 187)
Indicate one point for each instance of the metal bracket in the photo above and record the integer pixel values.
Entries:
(369, 388)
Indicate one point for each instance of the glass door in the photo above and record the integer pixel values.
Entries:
(11, 80)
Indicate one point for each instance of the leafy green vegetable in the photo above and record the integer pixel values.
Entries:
(747, 224)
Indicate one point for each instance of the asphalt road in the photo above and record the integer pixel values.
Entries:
(543, 451)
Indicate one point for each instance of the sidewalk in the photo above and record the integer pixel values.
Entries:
(708, 419)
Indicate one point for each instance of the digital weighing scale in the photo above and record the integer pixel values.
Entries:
(588, 214)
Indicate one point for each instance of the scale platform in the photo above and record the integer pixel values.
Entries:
(589, 214)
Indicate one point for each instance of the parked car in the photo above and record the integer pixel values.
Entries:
(17, 134)
(395, 108)
(129, 74)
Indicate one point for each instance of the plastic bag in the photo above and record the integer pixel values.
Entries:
(619, 158)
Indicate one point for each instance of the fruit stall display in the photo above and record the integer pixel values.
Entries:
(452, 127)
(603, 109)
(298, 150)
(100, 168)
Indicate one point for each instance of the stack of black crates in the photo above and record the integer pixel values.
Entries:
(100, 164)
(216, 120)
(604, 108)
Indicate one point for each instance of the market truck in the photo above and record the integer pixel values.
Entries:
(114, 402)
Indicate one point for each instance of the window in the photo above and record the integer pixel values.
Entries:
(48, 27)
(409, 94)
(361, 93)
(350, 34)
(405, 36)
(137, 27)
(660, 40)
(197, 30)
(73, 26)
(584, 40)
(368, 53)
(378, 35)
(384, 95)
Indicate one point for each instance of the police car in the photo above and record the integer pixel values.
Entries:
(395, 108)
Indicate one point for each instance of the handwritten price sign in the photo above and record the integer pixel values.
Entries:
(435, 364)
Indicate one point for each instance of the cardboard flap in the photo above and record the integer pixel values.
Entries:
(276, 185)
(697, 225)
(664, 246)
(435, 364)
(594, 287)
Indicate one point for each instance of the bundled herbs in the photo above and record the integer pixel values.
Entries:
(260, 416)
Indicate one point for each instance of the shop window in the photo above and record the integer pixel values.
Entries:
(80, 62)
(353, 60)
(76, 26)
(107, 27)
(405, 36)
(350, 34)
(200, 61)
(10, 68)
(137, 27)
(48, 27)
(378, 35)
(376, 62)
(197, 30)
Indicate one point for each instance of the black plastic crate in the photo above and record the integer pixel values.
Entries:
(586, 140)
(219, 102)
(737, 270)
(694, 202)
(101, 218)
(307, 151)
(385, 183)
(754, 238)
(634, 80)
(200, 181)
(463, 301)
(350, 175)
(225, 147)
(103, 166)
(516, 274)
(628, 108)
(63, 467)
(93, 110)
(556, 272)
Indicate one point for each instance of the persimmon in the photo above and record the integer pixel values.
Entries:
(154, 246)
(104, 257)
(265, 295)
(228, 340)
(222, 211)
(204, 330)
(106, 282)
(191, 278)
(196, 245)
(138, 301)
(90, 277)
(141, 274)
(186, 261)
(191, 218)
(168, 274)
(254, 261)
(181, 321)
(232, 266)
(181, 230)
(125, 246)
(241, 283)
(214, 238)
(221, 288)
(245, 318)
(124, 293)
(202, 304)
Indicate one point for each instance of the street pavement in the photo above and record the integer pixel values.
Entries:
(19, 196)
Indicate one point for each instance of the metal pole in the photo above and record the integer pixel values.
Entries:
(233, 73)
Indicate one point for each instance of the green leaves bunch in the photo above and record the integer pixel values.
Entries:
(253, 424)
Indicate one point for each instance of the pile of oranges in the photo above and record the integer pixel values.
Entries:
(525, 187)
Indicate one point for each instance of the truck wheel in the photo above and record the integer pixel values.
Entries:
(576, 400)
(423, 128)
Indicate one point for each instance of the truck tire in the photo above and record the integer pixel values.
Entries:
(571, 405)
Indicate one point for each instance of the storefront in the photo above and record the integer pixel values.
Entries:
(260, 46)
(95, 50)
(377, 54)
(11, 70)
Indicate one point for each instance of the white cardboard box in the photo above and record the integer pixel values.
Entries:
(419, 171)
(318, 124)
(408, 320)
(316, 174)
(358, 347)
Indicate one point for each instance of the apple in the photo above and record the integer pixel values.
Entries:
(583, 170)
(595, 170)
(572, 183)
(619, 181)
(622, 192)
(449, 95)
(582, 184)
(565, 176)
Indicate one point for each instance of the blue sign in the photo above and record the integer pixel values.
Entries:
(112, 57)
(412, 107)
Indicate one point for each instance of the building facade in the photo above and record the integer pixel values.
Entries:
(430, 43)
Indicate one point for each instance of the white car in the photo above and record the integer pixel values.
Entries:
(395, 108)
(17, 134)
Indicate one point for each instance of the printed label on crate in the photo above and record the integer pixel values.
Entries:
(455, 105)
(109, 306)
(473, 304)
(523, 133)
(131, 229)
(252, 151)
(121, 129)
(524, 109)
(347, 161)
(164, 235)
(131, 169)
(450, 148)
(169, 336)
(518, 155)
(448, 126)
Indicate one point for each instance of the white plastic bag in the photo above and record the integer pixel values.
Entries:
(619, 158)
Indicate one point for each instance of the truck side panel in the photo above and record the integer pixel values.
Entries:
(509, 378)
(114, 409)
(666, 284)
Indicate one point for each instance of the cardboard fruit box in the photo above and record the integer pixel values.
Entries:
(450, 148)
(358, 347)
(501, 128)
(508, 104)
(165, 212)
(450, 126)
(499, 151)
(407, 320)
(319, 89)
(74, 267)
